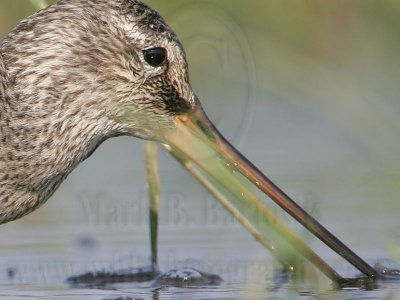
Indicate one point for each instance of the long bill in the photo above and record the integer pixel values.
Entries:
(197, 139)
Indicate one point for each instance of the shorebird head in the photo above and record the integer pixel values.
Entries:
(105, 67)
(74, 75)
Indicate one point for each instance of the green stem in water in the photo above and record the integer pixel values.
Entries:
(207, 184)
(192, 146)
(153, 187)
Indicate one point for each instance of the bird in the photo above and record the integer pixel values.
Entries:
(80, 72)
(67, 74)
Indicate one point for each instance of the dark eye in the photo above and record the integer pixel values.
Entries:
(155, 57)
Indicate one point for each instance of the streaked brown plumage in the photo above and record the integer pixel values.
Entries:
(72, 76)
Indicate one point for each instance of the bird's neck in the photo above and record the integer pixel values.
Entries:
(36, 155)
(44, 134)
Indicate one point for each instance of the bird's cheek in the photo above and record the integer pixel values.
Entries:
(171, 98)
(175, 104)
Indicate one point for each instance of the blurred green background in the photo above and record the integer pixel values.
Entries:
(308, 90)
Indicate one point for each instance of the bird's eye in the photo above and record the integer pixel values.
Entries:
(155, 57)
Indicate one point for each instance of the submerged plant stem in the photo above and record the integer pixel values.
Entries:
(153, 187)
(191, 146)
(192, 169)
